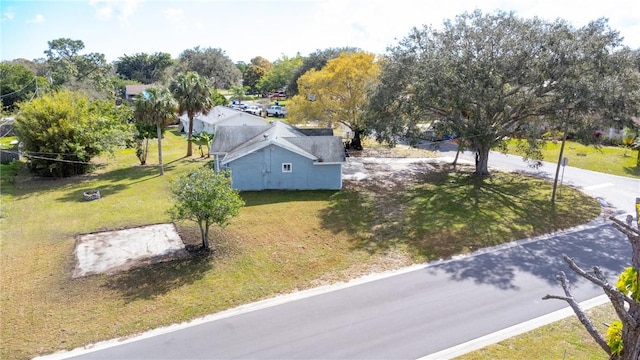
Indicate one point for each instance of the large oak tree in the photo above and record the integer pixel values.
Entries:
(144, 68)
(489, 76)
(68, 67)
(211, 63)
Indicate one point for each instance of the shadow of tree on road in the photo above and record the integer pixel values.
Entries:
(601, 246)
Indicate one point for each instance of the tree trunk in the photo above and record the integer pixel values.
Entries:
(204, 230)
(631, 337)
(146, 150)
(482, 162)
(189, 136)
(555, 181)
(455, 160)
(356, 142)
(159, 130)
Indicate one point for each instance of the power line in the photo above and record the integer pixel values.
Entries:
(57, 160)
(19, 90)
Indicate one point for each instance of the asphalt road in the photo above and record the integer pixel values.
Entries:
(400, 317)
(409, 315)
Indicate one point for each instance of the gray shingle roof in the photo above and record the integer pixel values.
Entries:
(239, 141)
(325, 148)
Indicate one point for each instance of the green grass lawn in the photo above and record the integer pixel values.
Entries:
(566, 339)
(606, 159)
(282, 241)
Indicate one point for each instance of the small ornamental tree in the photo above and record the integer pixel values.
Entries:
(207, 198)
(203, 139)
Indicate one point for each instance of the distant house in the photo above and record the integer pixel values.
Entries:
(130, 91)
(279, 156)
(220, 116)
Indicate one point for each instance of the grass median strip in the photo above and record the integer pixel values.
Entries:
(565, 339)
(614, 160)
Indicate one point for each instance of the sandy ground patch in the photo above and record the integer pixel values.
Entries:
(113, 251)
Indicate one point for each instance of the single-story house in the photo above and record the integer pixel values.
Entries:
(220, 116)
(279, 156)
(130, 91)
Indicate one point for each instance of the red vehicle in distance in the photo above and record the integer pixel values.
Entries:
(277, 95)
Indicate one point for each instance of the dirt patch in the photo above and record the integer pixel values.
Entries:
(110, 252)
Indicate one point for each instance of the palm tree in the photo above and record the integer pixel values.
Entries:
(193, 96)
(156, 106)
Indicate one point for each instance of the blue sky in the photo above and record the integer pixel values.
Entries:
(267, 28)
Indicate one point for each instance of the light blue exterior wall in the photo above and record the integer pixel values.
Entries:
(262, 170)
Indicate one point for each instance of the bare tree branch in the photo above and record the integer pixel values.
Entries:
(617, 298)
(586, 322)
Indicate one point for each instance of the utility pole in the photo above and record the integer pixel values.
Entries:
(564, 140)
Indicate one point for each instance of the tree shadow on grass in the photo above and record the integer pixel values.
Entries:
(110, 182)
(446, 213)
(151, 281)
(157, 279)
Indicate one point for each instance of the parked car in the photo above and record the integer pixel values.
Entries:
(239, 107)
(254, 109)
(278, 95)
(276, 110)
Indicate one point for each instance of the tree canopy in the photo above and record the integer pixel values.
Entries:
(68, 67)
(488, 76)
(157, 107)
(212, 64)
(142, 67)
(337, 93)
(17, 84)
(63, 131)
(258, 68)
(278, 77)
(316, 60)
(207, 198)
(194, 96)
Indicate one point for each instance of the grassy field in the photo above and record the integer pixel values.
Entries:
(566, 339)
(606, 159)
(282, 241)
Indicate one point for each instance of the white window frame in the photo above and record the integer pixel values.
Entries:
(287, 168)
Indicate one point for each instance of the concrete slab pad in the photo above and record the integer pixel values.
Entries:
(114, 251)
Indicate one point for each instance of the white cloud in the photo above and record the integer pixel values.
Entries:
(7, 15)
(172, 14)
(38, 19)
(122, 10)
